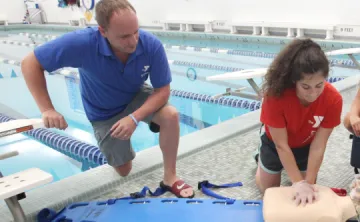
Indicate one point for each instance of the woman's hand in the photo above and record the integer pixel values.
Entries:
(304, 193)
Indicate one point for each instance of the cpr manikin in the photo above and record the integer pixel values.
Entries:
(280, 207)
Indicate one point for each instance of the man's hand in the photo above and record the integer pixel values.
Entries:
(123, 129)
(355, 124)
(53, 119)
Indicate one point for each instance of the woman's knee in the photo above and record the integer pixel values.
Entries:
(266, 180)
(258, 181)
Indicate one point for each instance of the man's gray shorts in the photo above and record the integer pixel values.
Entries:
(116, 151)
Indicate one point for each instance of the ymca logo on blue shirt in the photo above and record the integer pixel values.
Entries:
(145, 70)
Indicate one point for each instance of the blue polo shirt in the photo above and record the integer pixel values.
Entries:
(107, 85)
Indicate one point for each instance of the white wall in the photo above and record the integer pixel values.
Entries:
(252, 10)
(307, 11)
(53, 12)
(13, 9)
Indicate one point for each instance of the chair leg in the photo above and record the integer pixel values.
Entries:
(15, 208)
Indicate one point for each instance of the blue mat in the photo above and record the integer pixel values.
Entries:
(159, 209)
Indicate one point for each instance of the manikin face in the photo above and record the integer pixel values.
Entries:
(310, 87)
(123, 31)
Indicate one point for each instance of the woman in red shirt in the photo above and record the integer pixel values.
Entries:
(299, 111)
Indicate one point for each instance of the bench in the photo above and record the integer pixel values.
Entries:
(187, 25)
(291, 27)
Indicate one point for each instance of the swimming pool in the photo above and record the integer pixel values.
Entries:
(32, 153)
(189, 68)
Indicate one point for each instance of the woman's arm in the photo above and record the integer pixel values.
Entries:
(280, 138)
(316, 154)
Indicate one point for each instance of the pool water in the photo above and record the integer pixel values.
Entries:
(32, 154)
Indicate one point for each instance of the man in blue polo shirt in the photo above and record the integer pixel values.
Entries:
(114, 61)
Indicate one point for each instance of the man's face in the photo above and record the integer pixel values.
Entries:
(123, 31)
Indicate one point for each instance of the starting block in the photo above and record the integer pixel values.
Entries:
(349, 52)
(14, 186)
(248, 74)
(20, 182)
(18, 126)
(158, 209)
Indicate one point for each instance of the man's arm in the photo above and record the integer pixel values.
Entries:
(160, 78)
(153, 103)
(65, 51)
(280, 138)
(34, 77)
(316, 154)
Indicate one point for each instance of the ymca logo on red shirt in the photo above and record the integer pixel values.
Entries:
(317, 122)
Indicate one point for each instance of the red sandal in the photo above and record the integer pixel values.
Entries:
(176, 188)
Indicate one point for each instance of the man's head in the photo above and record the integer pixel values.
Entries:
(118, 23)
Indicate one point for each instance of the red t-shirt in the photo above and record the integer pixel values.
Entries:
(302, 122)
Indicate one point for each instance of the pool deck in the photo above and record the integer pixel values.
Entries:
(221, 154)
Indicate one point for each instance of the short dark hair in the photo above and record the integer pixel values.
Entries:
(104, 9)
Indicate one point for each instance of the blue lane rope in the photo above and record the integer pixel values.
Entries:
(71, 147)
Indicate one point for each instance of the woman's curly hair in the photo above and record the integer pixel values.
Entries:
(300, 57)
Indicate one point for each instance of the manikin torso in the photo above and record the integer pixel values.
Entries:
(279, 207)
